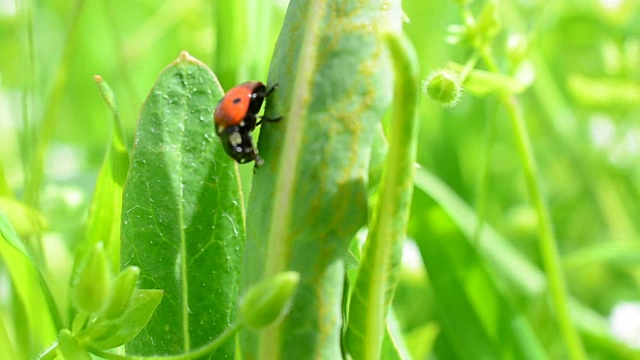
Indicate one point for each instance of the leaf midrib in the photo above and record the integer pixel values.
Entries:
(278, 244)
(183, 241)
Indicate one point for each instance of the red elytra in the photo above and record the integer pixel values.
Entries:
(236, 116)
(233, 107)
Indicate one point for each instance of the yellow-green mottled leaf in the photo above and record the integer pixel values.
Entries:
(310, 197)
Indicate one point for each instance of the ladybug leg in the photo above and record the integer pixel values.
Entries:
(252, 153)
(270, 120)
(259, 162)
(271, 89)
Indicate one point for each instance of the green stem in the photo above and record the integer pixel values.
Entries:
(548, 243)
(469, 66)
(50, 113)
(26, 140)
(79, 322)
(204, 350)
(49, 353)
(122, 63)
(229, 60)
(483, 179)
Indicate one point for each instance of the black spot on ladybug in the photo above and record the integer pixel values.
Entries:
(236, 100)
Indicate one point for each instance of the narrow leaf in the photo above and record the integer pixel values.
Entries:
(41, 314)
(8, 347)
(112, 333)
(5, 189)
(393, 345)
(25, 219)
(70, 348)
(103, 224)
(522, 277)
(478, 317)
(182, 213)
(378, 274)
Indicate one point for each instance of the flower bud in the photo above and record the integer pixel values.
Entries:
(121, 291)
(91, 289)
(517, 49)
(265, 301)
(443, 86)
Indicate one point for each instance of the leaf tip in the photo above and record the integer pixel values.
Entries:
(185, 57)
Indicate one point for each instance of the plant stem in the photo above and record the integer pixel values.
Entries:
(469, 66)
(548, 243)
(50, 114)
(483, 178)
(204, 350)
(49, 353)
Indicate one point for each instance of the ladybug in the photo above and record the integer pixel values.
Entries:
(236, 116)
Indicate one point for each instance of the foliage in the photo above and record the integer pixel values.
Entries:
(510, 185)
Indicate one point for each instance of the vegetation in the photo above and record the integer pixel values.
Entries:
(460, 185)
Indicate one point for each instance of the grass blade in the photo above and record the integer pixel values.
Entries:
(41, 314)
(378, 274)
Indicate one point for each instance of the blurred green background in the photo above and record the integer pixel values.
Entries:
(581, 110)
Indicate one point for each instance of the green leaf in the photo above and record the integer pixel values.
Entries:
(38, 306)
(107, 334)
(393, 344)
(309, 198)
(521, 276)
(70, 348)
(103, 223)
(25, 219)
(8, 347)
(421, 339)
(612, 93)
(5, 189)
(478, 317)
(183, 221)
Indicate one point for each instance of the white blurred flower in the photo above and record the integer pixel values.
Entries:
(624, 322)
(411, 257)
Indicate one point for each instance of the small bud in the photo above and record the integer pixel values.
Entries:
(265, 301)
(517, 49)
(91, 289)
(443, 86)
(106, 92)
(121, 291)
(489, 24)
(70, 348)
